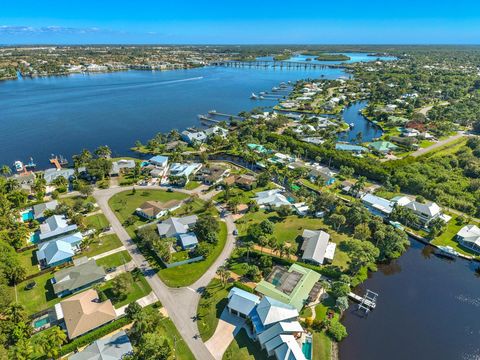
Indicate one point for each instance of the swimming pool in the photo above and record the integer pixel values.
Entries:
(27, 216)
(307, 349)
(144, 163)
(34, 238)
(40, 322)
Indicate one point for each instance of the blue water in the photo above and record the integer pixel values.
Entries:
(64, 115)
(26, 216)
(34, 238)
(41, 322)
(368, 130)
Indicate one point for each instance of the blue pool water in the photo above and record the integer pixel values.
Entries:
(34, 238)
(307, 349)
(144, 163)
(26, 216)
(40, 322)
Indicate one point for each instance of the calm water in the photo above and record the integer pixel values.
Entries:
(368, 130)
(428, 308)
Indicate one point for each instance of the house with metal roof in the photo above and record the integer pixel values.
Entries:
(269, 312)
(121, 165)
(59, 250)
(317, 247)
(350, 147)
(55, 226)
(82, 275)
(425, 212)
(383, 146)
(377, 205)
(51, 174)
(181, 229)
(114, 347)
(469, 236)
(84, 312)
(192, 136)
(179, 174)
(241, 302)
(294, 286)
(289, 349)
(39, 209)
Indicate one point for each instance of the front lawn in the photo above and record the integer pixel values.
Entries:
(114, 260)
(244, 348)
(102, 244)
(39, 298)
(210, 307)
(139, 288)
(192, 185)
(187, 274)
(97, 222)
(72, 200)
(181, 349)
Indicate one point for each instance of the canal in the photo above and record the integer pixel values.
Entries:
(428, 308)
(362, 129)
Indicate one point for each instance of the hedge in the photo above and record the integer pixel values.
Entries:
(242, 286)
(94, 335)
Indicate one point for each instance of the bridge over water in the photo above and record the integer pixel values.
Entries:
(280, 64)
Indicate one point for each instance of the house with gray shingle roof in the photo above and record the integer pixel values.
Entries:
(111, 348)
(84, 274)
(39, 209)
(180, 228)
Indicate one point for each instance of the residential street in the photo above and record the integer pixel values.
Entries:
(180, 303)
(438, 144)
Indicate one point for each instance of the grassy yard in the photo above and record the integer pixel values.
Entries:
(243, 348)
(40, 297)
(117, 259)
(187, 274)
(102, 244)
(192, 185)
(97, 221)
(71, 200)
(139, 288)
(182, 351)
(29, 261)
(289, 230)
(322, 346)
(244, 196)
(210, 308)
(448, 237)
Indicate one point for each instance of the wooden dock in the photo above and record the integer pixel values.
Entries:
(367, 302)
(230, 116)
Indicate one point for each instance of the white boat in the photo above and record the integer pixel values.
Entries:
(18, 165)
(351, 125)
(275, 88)
(447, 251)
(253, 96)
(262, 92)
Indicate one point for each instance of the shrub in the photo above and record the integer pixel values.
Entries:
(337, 331)
(242, 286)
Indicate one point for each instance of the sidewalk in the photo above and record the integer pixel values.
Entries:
(145, 301)
(105, 254)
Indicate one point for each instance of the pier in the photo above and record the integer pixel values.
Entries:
(230, 116)
(281, 64)
(367, 302)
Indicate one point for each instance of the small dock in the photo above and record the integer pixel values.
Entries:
(208, 119)
(367, 302)
(230, 116)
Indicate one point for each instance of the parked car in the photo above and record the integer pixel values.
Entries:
(30, 285)
(169, 189)
(110, 269)
(235, 232)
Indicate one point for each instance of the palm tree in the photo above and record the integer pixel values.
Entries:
(248, 246)
(51, 341)
(224, 274)
(5, 170)
(23, 350)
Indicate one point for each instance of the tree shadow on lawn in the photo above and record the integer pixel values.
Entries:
(252, 347)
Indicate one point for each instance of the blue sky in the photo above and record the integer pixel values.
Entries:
(243, 22)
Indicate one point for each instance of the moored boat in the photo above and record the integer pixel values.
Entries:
(447, 251)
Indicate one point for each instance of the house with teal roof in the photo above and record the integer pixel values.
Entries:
(58, 251)
(383, 146)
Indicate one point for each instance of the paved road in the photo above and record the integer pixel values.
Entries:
(438, 144)
(180, 303)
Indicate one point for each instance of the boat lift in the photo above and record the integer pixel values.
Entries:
(367, 302)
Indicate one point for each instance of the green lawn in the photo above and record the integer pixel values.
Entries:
(448, 237)
(289, 230)
(29, 261)
(210, 308)
(322, 346)
(181, 350)
(117, 259)
(40, 297)
(243, 348)
(192, 185)
(139, 289)
(196, 206)
(322, 308)
(306, 312)
(97, 221)
(244, 196)
(70, 201)
(187, 274)
(102, 244)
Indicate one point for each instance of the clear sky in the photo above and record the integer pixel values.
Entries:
(240, 22)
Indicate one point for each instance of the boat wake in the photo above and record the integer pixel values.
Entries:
(468, 300)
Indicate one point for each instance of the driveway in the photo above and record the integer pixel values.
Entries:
(180, 303)
(438, 144)
(228, 326)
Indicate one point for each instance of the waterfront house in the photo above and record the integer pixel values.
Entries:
(121, 165)
(155, 209)
(317, 247)
(180, 173)
(58, 251)
(212, 174)
(113, 347)
(425, 212)
(216, 130)
(82, 275)
(377, 205)
(51, 174)
(26, 180)
(295, 286)
(192, 136)
(55, 226)
(383, 146)
(241, 303)
(271, 198)
(350, 148)
(84, 312)
(469, 236)
(280, 340)
(39, 209)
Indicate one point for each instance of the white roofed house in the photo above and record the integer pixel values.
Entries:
(180, 173)
(181, 229)
(271, 198)
(241, 302)
(55, 226)
(192, 136)
(377, 205)
(316, 247)
(425, 212)
(469, 236)
(40, 209)
(216, 130)
(121, 165)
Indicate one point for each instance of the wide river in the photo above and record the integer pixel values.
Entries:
(63, 115)
(428, 308)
